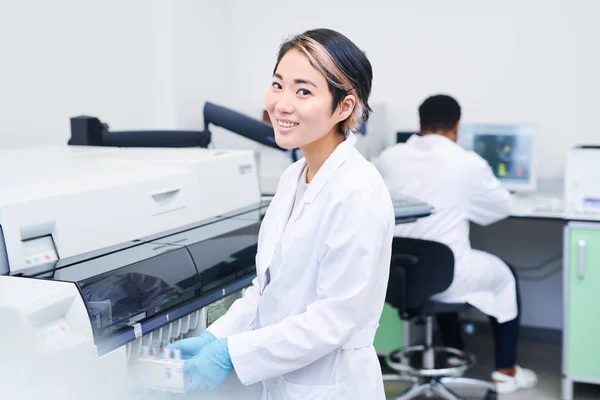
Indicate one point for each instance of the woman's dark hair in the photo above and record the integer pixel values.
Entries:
(344, 65)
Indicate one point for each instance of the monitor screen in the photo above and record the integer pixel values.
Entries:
(402, 137)
(508, 149)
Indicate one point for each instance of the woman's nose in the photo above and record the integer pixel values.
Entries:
(285, 104)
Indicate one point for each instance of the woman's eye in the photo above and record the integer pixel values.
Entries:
(303, 92)
(276, 85)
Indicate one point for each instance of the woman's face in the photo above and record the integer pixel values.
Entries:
(299, 103)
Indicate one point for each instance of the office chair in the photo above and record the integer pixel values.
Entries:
(419, 270)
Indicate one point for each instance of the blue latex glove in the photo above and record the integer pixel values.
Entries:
(191, 347)
(210, 368)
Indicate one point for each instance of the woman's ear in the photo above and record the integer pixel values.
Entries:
(346, 108)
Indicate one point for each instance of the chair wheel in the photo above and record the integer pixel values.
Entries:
(491, 395)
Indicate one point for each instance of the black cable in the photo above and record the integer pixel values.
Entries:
(542, 265)
(543, 276)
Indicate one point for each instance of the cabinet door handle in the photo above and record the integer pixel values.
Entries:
(581, 260)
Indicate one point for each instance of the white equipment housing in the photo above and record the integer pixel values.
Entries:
(106, 250)
(582, 187)
(66, 201)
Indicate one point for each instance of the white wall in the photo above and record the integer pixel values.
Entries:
(202, 53)
(205, 71)
(66, 57)
(153, 64)
(117, 60)
(512, 61)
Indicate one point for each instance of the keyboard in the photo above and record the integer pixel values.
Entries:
(408, 209)
(538, 206)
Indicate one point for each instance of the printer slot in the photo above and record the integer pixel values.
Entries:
(166, 201)
(164, 198)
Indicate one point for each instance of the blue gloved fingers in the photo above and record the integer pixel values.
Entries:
(210, 367)
(194, 345)
(196, 381)
(189, 346)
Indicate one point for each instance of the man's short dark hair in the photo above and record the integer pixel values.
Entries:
(439, 113)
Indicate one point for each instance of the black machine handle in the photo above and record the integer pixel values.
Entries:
(90, 131)
(241, 124)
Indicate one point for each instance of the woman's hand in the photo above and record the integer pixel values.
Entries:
(210, 368)
(191, 347)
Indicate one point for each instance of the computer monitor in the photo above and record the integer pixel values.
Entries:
(508, 149)
(402, 137)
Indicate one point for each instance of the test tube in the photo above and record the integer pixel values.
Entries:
(139, 346)
(145, 351)
(177, 355)
(154, 352)
(186, 328)
(178, 330)
(195, 319)
(166, 353)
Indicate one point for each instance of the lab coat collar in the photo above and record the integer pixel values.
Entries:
(434, 143)
(336, 159)
(431, 139)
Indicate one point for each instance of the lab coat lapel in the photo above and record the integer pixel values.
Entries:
(337, 158)
(282, 208)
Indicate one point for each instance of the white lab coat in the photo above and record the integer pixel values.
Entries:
(462, 188)
(308, 334)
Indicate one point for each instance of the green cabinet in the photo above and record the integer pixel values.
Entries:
(582, 296)
(390, 334)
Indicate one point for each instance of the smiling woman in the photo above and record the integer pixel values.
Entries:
(321, 85)
(305, 327)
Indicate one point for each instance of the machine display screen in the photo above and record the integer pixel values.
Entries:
(507, 155)
(508, 149)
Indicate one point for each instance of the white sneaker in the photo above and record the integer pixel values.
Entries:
(453, 362)
(523, 379)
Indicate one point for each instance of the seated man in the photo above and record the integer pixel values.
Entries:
(462, 188)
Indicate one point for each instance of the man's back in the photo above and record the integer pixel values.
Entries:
(457, 183)
(462, 188)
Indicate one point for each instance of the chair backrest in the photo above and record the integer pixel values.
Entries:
(419, 269)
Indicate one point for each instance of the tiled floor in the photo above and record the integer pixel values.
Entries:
(542, 357)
